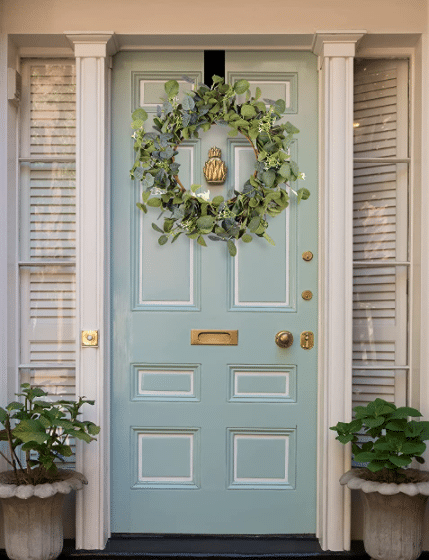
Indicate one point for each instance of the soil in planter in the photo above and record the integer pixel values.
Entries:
(398, 477)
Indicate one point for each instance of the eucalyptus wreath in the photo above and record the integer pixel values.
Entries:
(190, 211)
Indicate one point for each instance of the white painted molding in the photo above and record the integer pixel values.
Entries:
(3, 227)
(336, 52)
(93, 44)
(93, 215)
(8, 232)
(424, 256)
(328, 44)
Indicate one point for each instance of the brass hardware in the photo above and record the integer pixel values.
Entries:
(307, 340)
(215, 169)
(307, 256)
(284, 339)
(89, 338)
(307, 295)
(214, 337)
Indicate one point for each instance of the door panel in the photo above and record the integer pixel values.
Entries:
(213, 439)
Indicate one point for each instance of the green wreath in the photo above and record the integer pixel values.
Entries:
(192, 212)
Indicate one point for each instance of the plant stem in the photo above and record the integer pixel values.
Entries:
(182, 188)
(27, 459)
(252, 144)
(13, 455)
(6, 459)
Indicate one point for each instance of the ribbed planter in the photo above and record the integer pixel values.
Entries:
(33, 527)
(393, 515)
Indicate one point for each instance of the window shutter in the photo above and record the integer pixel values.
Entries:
(380, 231)
(48, 227)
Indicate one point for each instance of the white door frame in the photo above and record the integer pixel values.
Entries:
(93, 51)
(336, 52)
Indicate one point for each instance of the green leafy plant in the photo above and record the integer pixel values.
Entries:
(191, 211)
(41, 430)
(394, 440)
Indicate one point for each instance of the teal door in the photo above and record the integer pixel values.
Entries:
(213, 439)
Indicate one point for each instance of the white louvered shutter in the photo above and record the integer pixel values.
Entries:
(380, 231)
(48, 227)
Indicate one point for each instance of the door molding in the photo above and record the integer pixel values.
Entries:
(336, 52)
(92, 52)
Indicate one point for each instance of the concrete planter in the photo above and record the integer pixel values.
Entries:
(33, 527)
(393, 515)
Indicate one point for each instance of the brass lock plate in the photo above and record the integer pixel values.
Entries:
(215, 337)
(307, 256)
(307, 340)
(307, 295)
(89, 338)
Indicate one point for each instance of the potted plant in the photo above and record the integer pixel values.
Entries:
(35, 437)
(394, 496)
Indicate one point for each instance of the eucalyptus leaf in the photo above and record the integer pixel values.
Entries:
(188, 103)
(140, 114)
(280, 106)
(205, 223)
(157, 228)
(217, 200)
(171, 88)
(241, 86)
(248, 111)
(154, 202)
(232, 248)
(269, 177)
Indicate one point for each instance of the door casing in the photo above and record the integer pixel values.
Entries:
(92, 50)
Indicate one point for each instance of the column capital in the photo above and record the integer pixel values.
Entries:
(90, 44)
(336, 43)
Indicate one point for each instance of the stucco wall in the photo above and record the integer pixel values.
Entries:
(190, 16)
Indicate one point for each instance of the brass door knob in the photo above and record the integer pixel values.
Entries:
(284, 339)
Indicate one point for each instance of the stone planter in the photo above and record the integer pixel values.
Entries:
(33, 527)
(393, 515)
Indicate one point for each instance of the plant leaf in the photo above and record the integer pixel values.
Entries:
(241, 86)
(232, 248)
(171, 88)
(139, 114)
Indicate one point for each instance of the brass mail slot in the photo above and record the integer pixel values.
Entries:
(214, 336)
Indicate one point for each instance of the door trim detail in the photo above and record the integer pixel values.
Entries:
(336, 51)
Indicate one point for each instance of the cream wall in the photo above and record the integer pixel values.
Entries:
(229, 17)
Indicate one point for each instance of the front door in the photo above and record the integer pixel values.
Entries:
(213, 439)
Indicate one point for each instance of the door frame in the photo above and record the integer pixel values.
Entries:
(93, 52)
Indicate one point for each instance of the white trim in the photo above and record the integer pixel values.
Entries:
(336, 52)
(424, 212)
(3, 224)
(93, 218)
(8, 231)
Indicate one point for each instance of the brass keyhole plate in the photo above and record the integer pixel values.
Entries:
(307, 340)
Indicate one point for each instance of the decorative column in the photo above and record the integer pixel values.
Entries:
(93, 51)
(336, 52)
